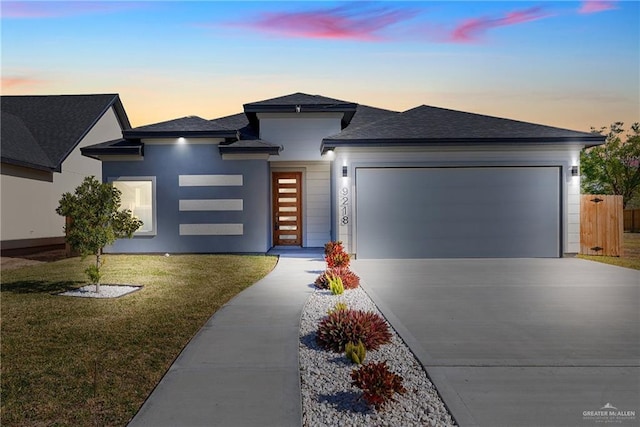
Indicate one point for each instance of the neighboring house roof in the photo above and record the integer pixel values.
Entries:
(40, 132)
(425, 125)
(300, 103)
(191, 126)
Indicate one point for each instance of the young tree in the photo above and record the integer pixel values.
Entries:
(96, 221)
(614, 167)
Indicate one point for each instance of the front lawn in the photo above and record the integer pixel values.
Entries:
(630, 257)
(86, 361)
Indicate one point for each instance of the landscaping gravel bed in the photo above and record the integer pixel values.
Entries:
(329, 399)
(106, 291)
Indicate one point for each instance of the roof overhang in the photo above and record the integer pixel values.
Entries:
(118, 147)
(29, 165)
(348, 109)
(329, 144)
(149, 134)
(272, 150)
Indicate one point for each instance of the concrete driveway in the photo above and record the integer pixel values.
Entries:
(519, 342)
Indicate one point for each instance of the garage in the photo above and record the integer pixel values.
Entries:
(458, 212)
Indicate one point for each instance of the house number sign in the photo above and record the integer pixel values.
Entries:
(344, 206)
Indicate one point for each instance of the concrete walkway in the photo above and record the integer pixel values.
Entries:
(241, 368)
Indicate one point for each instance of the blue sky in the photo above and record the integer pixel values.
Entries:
(571, 64)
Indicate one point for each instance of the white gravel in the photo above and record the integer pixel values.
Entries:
(106, 291)
(329, 399)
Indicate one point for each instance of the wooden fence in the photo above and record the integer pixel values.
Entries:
(632, 220)
(601, 225)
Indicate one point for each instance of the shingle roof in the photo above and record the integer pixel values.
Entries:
(185, 126)
(250, 146)
(366, 115)
(28, 150)
(297, 98)
(433, 125)
(41, 131)
(300, 103)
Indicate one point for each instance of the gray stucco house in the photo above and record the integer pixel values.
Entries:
(302, 169)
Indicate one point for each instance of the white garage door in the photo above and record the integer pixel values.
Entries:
(474, 212)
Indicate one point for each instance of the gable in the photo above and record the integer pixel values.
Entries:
(41, 131)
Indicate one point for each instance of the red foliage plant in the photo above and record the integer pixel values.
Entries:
(342, 326)
(335, 256)
(377, 383)
(350, 280)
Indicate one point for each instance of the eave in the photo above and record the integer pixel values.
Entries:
(329, 144)
(114, 148)
(146, 134)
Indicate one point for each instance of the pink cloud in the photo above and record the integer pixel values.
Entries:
(40, 9)
(595, 6)
(473, 29)
(13, 82)
(349, 22)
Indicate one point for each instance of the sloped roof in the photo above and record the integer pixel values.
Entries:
(41, 131)
(297, 98)
(300, 103)
(366, 115)
(185, 127)
(250, 146)
(433, 125)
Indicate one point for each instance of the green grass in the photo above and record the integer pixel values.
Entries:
(85, 361)
(630, 257)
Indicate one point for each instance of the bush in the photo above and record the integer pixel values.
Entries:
(342, 326)
(377, 383)
(335, 285)
(355, 352)
(335, 256)
(350, 280)
(331, 247)
(338, 259)
(339, 306)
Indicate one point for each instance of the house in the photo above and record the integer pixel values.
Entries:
(301, 169)
(41, 138)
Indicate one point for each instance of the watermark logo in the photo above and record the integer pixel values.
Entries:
(609, 414)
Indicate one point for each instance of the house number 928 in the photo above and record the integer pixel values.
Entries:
(344, 206)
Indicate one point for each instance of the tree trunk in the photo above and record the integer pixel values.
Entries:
(98, 254)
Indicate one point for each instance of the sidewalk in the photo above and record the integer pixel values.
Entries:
(241, 368)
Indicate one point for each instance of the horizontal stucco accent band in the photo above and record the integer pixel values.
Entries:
(211, 205)
(209, 180)
(211, 230)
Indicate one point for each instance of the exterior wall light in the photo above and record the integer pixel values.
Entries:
(575, 171)
(345, 171)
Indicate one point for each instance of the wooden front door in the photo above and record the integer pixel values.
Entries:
(287, 208)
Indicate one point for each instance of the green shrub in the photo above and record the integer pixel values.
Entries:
(339, 306)
(335, 285)
(342, 326)
(378, 383)
(355, 352)
(93, 273)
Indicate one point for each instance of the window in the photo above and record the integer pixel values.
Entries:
(138, 195)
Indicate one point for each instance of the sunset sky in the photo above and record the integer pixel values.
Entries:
(572, 64)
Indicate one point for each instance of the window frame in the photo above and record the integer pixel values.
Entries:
(154, 210)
